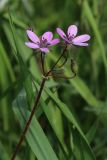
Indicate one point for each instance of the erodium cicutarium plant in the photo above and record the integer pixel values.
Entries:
(42, 45)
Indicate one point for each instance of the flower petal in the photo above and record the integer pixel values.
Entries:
(48, 36)
(82, 38)
(31, 45)
(33, 37)
(81, 44)
(45, 50)
(72, 31)
(61, 33)
(54, 42)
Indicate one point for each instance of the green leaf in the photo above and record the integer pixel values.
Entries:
(3, 153)
(54, 117)
(88, 14)
(7, 62)
(71, 118)
(92, 131)
(80, 149)
(35, 135)
(25, 75)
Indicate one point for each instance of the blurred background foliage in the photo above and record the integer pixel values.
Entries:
(85, 96)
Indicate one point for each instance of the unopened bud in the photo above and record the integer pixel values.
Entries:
(74, 66)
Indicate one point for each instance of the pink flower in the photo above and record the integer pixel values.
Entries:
(71, 38)
(42, 43)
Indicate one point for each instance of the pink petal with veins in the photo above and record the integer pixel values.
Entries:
(48, 36)
(33, 37)
(61, 33)
(31, 45)
(80, 44)
(54, 42)
(72, 31)
(82, 38)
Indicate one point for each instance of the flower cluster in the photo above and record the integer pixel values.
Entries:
(46, 40)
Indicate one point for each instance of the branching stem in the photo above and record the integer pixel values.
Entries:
(36, 102)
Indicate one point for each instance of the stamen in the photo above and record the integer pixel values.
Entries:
(38, 43)
(72, 36)
(64, 36)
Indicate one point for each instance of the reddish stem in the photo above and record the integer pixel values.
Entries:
(57, 61)
(29, 120)
(35, 105)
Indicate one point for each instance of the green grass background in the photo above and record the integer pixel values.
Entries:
(70, 122)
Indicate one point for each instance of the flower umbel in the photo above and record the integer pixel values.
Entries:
(41, 43)
(71, 38)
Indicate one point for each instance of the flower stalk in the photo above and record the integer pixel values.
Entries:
(45, 77)
(29, 120)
